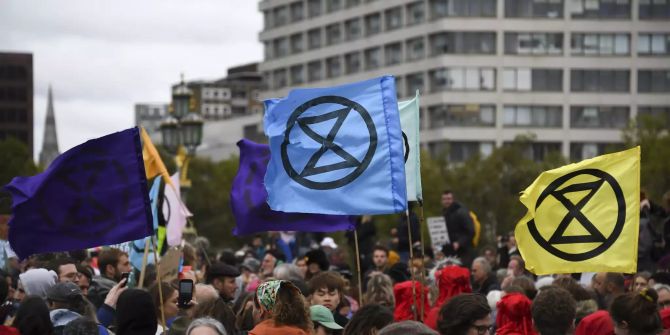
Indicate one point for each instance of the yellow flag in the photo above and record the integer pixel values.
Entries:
(153, 164)
(583, 217)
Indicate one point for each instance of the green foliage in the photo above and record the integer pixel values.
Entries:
(651, 134)
(16, 161)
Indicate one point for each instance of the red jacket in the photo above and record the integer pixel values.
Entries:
(403, 300)
(268, 327)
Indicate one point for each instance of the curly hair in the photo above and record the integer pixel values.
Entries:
(380, 291)
(457, 315)
(291, 308)
(554, 310)
(638, 310)
(369, 320)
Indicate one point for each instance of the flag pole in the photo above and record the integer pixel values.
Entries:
(160, 289)
(411, 258)
(144, 264)
(423, 255)
(358, 268)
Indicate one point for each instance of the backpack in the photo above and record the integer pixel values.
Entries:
(478, 228)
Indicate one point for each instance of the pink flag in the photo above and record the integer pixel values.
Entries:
(175, 212)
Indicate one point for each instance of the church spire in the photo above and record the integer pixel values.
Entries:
(50, 141)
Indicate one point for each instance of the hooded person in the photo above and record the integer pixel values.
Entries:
(451, 280)
(136, 313)
(404, 300)
(598, 323)
(513, 315)
(38, 281)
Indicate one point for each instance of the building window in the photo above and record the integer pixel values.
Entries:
(267, 46)
(416, 13)
(414, 82)
(462, 8)
(393, 53)
(463, 43)
(534, 8)
(267, 19)
(373, 58)
(373, 24)
(462, 79)
(600, 9)
(599, 80)
(653, 81)
(297, 75)
(352, 29)
(416, 48)
(393, 18)
(659, 113)
(471, 115)
(656, 44)
(581, 151)
(333, 67)
(458, 152)
(296, 43)
(281, 47)
(607, 117)
(314, 71)
(333, 34)
(592, 44)
(533, 116)
(352, 62)
(279, 79)
(537, 80)
(280, 16)
(314, 8)
(533, 43)
(297, 11)
(333, 5)
(654, 9)
(353, 3)
(314, 38)
(399, 87)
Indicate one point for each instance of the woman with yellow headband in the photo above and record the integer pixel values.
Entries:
(282, 309)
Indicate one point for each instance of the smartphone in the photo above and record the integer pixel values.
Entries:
(185, 293)
(125, 275)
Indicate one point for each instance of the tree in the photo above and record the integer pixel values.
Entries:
(16, 161)
(651, 134)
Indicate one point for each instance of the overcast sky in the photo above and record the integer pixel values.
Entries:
(102, 57)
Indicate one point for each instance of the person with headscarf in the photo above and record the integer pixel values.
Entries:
(598, 323)
(38, 281)
(452, 280)
(513, 315)
(282, 308)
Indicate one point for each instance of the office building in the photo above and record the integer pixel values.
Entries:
(572, 72)
(16, 97)
(150, 116)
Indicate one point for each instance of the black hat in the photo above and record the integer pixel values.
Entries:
(319, 257)
(64, 292)
(220, 269)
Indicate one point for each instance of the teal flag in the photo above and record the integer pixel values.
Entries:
(409, 121)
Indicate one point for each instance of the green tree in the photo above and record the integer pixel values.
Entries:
(651, 134)
(16, 161)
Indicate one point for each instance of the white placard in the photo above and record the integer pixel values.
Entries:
(437, 228)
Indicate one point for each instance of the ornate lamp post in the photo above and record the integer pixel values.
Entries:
(182, 134)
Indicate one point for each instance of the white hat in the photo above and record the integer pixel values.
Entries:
(329, 242)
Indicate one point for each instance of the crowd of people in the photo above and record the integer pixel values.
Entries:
(304, 283)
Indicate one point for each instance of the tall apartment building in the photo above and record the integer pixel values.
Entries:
(16, 97)
(150, 116)
(573, 72)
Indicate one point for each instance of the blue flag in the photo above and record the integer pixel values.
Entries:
(137, 246)
(337, 150)
(248, 200)
(94, 194)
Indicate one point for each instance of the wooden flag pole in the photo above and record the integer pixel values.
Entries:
(144, 263)
(358, 269)
(423, 254)
(411, 258)
(160, 289)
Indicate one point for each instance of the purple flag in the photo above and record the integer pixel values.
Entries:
(249, 200)
(94, 194)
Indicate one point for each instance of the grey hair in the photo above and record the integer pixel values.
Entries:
(660, 287)
(380, 290)
(485, 264)
(207, 322)
(407, 327)
(287, 271)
